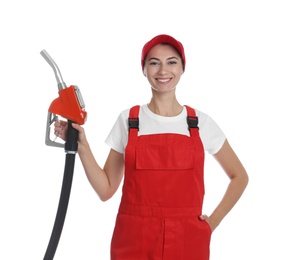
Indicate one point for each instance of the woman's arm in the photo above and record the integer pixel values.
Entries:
(105, 181)
(234, 169)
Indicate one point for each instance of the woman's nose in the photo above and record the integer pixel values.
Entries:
(162, 70)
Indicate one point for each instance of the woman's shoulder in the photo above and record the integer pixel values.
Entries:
(201, 115)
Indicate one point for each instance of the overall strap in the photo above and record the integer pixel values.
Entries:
(133, 122)
(192, 121)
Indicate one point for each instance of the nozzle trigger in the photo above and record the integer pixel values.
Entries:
(50, 120)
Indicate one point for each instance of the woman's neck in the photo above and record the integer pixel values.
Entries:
(165, 106)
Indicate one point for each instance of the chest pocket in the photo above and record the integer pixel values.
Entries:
(165, 157)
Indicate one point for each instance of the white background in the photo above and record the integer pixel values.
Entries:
(236, 64)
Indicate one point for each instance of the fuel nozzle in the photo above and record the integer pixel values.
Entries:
(69, 104)
(59, 78)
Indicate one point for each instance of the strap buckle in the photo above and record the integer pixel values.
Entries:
(192, 121)
(133, 123)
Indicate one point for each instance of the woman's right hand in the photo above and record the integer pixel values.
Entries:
(61, 127)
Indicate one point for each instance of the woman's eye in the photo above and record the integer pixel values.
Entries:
(172, 62)
(154, 63)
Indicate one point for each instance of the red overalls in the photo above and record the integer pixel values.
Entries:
(162, 197)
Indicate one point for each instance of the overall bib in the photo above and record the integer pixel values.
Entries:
(162, 197)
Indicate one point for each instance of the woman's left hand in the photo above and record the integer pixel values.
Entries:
(208, 220)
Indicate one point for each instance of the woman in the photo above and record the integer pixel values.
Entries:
(159, 149)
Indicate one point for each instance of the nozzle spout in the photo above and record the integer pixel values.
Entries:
(48, 58)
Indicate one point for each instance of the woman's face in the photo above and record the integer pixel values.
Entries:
(163, 68)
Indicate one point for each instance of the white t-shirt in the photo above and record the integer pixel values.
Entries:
(149, 123)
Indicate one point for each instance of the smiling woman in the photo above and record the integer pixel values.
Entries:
(159, 148)
(163, 62)
(163, 68)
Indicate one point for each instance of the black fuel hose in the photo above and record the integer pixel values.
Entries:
(71, 146)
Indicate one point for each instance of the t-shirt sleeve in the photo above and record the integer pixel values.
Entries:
(211, 134)
(117, 137)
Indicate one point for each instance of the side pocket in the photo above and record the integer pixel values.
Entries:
(197, 239)
(207, 226)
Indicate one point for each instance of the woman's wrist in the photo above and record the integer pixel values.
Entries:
(83, 146)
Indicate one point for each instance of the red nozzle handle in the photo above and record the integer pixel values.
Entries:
(69, 106)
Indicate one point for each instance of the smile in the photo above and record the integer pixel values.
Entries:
(163, 80)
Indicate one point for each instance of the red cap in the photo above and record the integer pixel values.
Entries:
(163, 38)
